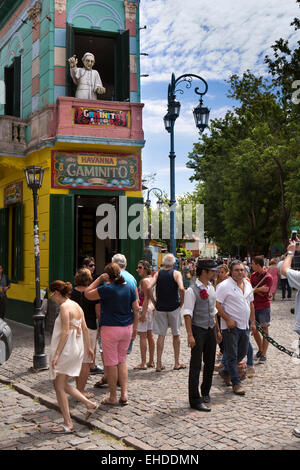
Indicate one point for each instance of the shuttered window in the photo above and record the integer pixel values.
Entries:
(11, 241)
(62, 240)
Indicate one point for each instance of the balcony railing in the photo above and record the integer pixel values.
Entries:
(74, 120)
(12, 135)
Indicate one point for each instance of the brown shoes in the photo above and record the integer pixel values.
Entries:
(238, 390)
(225, 377)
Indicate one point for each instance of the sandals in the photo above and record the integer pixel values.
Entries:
(105, 401)
(123, 402)
(159, 369)
(91, 411)
(100, 383)
(181, 366)
(140, 367)
(62, 429)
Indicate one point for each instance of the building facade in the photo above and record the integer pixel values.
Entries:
(90, 150)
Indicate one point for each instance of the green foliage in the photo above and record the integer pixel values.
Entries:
(248, 168)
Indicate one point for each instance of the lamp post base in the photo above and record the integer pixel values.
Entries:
(39, 357)
(40, 362)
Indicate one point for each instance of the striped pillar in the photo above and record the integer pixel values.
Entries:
(130, 24)
(34, 15)
(60, 48)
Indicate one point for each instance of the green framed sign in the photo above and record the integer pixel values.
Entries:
(87, 170)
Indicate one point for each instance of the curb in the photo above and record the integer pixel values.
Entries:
(93, 424)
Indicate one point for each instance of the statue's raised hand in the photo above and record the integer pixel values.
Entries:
(73, 61)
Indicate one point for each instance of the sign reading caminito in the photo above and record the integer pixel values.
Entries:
(100, 117)
(95, 171)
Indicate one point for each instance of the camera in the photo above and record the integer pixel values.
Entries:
(294, 236)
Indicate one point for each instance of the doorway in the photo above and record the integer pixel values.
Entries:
(111, 51)
(86, 241)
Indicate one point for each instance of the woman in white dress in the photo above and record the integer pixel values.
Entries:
(66, 352)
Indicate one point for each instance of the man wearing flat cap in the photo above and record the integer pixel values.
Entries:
(199, 316)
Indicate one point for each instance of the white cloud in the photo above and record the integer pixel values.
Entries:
(155, 110)
(213, 39)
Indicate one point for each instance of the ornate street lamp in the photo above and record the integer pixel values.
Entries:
(201, 116)
(147, 252)
(34, 178)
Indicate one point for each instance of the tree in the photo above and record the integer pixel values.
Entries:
(244, 166)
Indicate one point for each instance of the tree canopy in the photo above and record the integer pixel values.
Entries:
(247, 167)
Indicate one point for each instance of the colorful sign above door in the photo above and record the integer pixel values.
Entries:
(13, 193)
(95, 171)
(100, 117)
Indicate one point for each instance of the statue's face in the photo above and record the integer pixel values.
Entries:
(89, 62)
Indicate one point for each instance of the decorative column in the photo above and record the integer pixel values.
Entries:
(60, 48)
(131, 8)
(34, 15)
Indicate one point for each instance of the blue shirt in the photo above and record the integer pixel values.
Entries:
(129, 278)
(116, 301)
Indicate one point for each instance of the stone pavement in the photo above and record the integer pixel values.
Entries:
(158, 415)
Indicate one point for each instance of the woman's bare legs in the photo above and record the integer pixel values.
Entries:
(123, 379)
(62, 387)
(112, 379)
(62, 399)
(151, 344)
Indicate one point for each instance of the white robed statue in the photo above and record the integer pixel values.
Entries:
(88, 81)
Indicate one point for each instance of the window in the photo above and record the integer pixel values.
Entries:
(111, 51)
(12, 78)
(11, 241)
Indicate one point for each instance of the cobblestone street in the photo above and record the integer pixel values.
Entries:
(158, 415)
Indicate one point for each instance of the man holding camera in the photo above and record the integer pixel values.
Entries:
(293, 277)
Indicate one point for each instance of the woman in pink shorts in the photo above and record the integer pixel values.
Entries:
(118, 322)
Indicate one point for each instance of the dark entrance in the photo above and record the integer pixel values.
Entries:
(87, 241)
(111, 51)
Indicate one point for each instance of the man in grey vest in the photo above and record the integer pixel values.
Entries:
(199, 316)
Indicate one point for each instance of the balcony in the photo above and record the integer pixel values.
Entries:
(12, 135)
(74, 120)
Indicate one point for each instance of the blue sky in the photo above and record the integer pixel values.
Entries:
(211, 39)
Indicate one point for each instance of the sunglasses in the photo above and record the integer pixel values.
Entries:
(140, 267)
(91, 265)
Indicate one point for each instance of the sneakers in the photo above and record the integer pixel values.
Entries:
(262, 359)
(238, 390)
(96, 370)
(258, 354)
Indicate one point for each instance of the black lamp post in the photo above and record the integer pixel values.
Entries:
(34, 178)
(148, 253)
(201, 116)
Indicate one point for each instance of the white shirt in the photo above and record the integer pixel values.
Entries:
(279, 266)
(190, 298)
(235, 303)
(294, 281)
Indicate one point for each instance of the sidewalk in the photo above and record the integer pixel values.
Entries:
(158, 415)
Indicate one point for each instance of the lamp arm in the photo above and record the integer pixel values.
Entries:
(187, 77)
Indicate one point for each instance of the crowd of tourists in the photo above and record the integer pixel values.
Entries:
(221, 305)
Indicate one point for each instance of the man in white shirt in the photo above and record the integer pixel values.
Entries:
(199, 316)
(235, 307)
(284, 282)
(293, 277)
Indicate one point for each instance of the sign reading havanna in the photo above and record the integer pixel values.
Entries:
(95, 171)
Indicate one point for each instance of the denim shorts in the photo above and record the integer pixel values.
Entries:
(263, 316)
